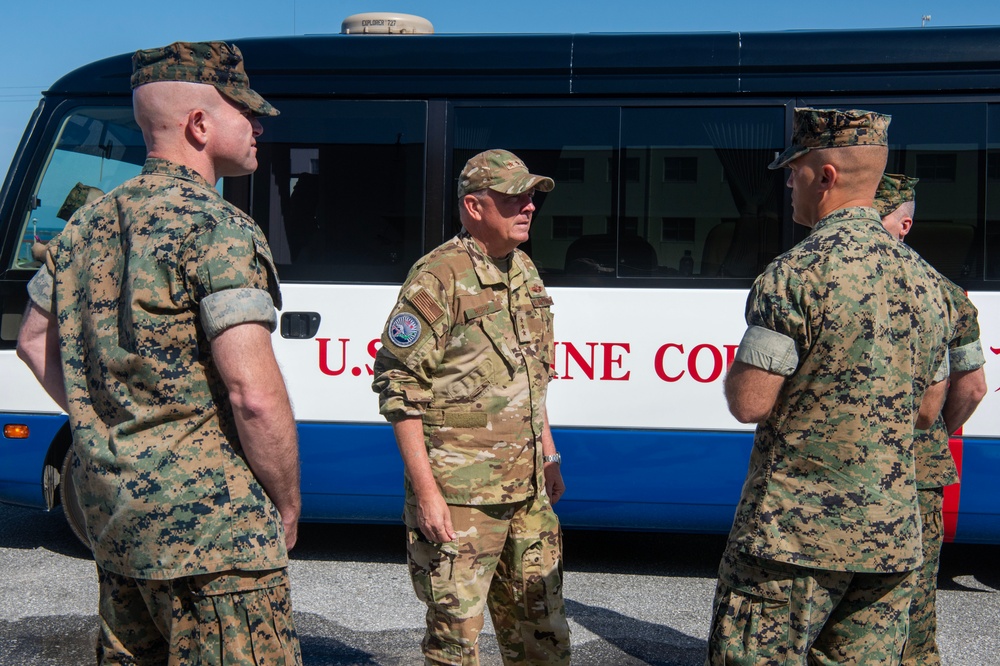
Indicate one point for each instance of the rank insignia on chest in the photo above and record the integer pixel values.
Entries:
(404, 329)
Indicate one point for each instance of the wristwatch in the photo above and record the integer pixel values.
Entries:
(557, 459)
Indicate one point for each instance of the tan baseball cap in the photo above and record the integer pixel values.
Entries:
(213, 63)
(501, 171)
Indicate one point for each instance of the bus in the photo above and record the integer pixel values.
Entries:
(664, 211)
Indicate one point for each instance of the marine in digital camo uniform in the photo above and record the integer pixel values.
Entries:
(845, 333)
(935, 467)
(162, 295)
(462, 375)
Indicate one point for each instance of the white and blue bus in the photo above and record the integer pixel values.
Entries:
(663, 213)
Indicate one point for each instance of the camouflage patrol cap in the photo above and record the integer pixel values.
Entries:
(833, 128)
(212, 63)
(501, 171)
(894, 190)
(80, 194)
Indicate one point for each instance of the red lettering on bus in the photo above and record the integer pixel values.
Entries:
(996, 350)
(372, 350)
(324, 364)
(716, 364)
(571, 351)
(691, 362)
(658, 362)
(610, 359)
(730, 355)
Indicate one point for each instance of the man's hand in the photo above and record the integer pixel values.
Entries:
(291, 532)
(554, 486)
(433, 515)
(434, 518)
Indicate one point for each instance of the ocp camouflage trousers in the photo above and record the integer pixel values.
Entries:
(921, 644)
(772, 613)
(234, 618)
(508, 556)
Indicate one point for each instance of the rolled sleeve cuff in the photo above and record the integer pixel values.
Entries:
(40, 289)
(943, 371)
(967, 357)
(230, 307)
(768, 350)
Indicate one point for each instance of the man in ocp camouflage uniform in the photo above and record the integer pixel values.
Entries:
(161, 295)
(846, 335)
(462, 376)
(935, 468)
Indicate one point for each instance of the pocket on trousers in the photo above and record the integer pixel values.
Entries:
(542, 576)
(432, 568)
(751, 619)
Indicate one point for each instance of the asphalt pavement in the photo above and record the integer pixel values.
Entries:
(632, 598)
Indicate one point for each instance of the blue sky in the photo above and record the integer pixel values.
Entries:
(40, 40)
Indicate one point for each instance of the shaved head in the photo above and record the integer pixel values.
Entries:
(161, 109)
(859, 168)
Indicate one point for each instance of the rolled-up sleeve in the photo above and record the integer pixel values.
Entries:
(40, 289)
(768, 350)
(231, 275)
(231, 307)
(401, 394)
(778, 326)
(967, 357)
(412, 348)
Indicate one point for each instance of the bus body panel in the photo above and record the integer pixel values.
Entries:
(985, 422)
(977, 519)
(637, 405)
(22, 461)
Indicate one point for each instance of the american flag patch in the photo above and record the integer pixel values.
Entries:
(426, 306)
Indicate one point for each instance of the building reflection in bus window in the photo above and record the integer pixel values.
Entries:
(642, 192)
(339, 189)
(943, 145)
(991, 246)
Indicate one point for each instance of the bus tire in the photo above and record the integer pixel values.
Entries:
(71, 501)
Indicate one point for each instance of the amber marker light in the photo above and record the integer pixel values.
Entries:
(15, 431)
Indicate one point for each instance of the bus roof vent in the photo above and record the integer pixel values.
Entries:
(386, 23)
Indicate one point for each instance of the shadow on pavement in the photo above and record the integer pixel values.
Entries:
(966, 559)
(26, 528)
(646, 642)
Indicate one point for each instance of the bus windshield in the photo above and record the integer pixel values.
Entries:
(95, 150)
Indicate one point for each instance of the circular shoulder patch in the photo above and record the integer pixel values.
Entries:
(404, 329)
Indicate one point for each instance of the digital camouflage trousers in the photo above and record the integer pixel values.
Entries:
(921, 644)
(235, 618)
(769, 613)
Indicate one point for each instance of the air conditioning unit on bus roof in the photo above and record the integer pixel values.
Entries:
(385, 23)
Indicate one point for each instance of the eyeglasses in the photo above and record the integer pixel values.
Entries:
(518, 198)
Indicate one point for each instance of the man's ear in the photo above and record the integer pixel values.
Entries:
(827, 177)
(197, 127)
(473, 206)
(904, 226)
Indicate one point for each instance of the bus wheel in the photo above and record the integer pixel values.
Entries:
(71, 502)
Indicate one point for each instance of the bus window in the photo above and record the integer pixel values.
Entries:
(573, 145)
(685, 192)
(96, 149)
(991, 248)
(696, 188)
(942, 145)
(339, 189)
